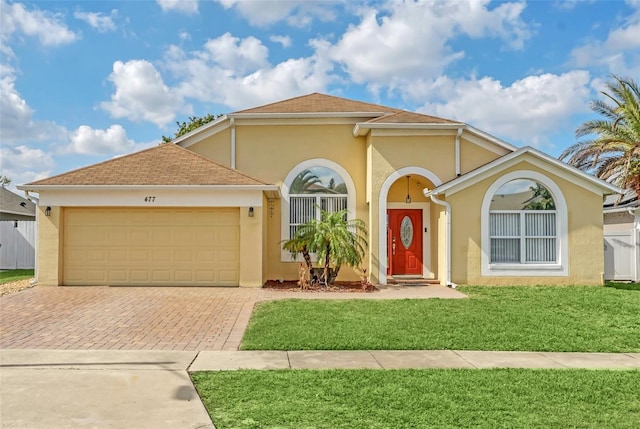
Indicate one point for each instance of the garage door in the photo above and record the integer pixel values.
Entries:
(160, 246)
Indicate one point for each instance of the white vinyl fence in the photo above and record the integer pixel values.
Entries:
(17, 244)
(621, 255)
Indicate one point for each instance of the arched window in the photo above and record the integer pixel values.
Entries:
(312, 188)
(313, 184)
(524, 226)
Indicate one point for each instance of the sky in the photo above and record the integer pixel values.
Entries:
(85, 81)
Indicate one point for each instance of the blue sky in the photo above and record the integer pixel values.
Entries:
(84, 81)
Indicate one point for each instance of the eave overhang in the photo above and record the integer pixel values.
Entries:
(588, 181)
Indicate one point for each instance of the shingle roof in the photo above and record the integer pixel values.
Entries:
(13, 203)
(166, 164)
(404, 117)
(319, 103)
(323, 103)
(628, 200)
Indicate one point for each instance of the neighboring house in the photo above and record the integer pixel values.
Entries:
(13, 207)
(17, 231)
(213, 207)
(622, 237)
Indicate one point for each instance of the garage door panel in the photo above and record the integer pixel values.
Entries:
(151, 246)
(117, 276)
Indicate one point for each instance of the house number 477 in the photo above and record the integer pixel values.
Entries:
(149, 199)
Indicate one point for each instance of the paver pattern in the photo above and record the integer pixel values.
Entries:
(149, 318)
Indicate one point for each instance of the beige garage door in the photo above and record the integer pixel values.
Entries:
(159, 246)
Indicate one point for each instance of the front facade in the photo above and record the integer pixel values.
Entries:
(442, 201)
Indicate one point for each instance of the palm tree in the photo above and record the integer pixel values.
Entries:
(303, 182)
(333, 238)
(614, 154)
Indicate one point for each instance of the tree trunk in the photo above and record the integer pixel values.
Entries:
(326, 266)
(307, 258)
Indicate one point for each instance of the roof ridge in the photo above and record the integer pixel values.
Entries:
(274, 102)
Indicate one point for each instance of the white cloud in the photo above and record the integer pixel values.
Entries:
(285, 41)
(404, 41)
(237, 55)
(90, 141)
(188, 7)
(141, 94)
(526, 111)
(47, 27)
(23, 164)
(99, 21)
(297, 13)
(16, 120)
(244, 78)
(619, 52)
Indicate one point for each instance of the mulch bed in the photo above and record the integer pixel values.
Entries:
(338, 286)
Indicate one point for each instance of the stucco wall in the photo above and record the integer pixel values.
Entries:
(49, 263)
(585, 250)
(271, 152)
(216, 147)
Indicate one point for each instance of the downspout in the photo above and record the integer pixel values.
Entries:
(447, 212)
(233, 143)
(458, 152)
(35, 201)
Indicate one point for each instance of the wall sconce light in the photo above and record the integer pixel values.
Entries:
(271, 205)
(408, 200)
(47, 211)
(250, 211)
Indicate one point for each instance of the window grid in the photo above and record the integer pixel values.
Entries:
(525, 237)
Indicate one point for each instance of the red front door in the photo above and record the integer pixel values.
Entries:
(405, 241)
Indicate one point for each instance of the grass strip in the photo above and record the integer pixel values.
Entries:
(562, 319)
(370, 399)
(15, 275)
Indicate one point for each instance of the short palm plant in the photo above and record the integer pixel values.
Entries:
(332, 238)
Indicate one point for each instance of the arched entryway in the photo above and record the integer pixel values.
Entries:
(405, 224)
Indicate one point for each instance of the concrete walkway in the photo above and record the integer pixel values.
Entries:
(58, 389)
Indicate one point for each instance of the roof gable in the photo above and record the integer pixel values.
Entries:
(163, 165)
(319, 103)
(553, 165)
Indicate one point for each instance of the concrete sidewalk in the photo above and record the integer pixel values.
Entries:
(405, 359)
(57, 389)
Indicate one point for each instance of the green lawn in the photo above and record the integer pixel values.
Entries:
(15, 275)
(586, 319)
(521, 398)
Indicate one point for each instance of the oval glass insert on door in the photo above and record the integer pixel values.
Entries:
(406, 232)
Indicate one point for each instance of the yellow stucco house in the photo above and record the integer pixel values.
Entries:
(442, 201)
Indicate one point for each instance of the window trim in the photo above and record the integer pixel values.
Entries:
(285, 256)
(558, 268)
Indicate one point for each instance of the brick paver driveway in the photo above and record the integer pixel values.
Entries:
(102, 318)
(150, 318)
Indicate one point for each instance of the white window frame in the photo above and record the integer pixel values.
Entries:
(558, 268)
(285, 256)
